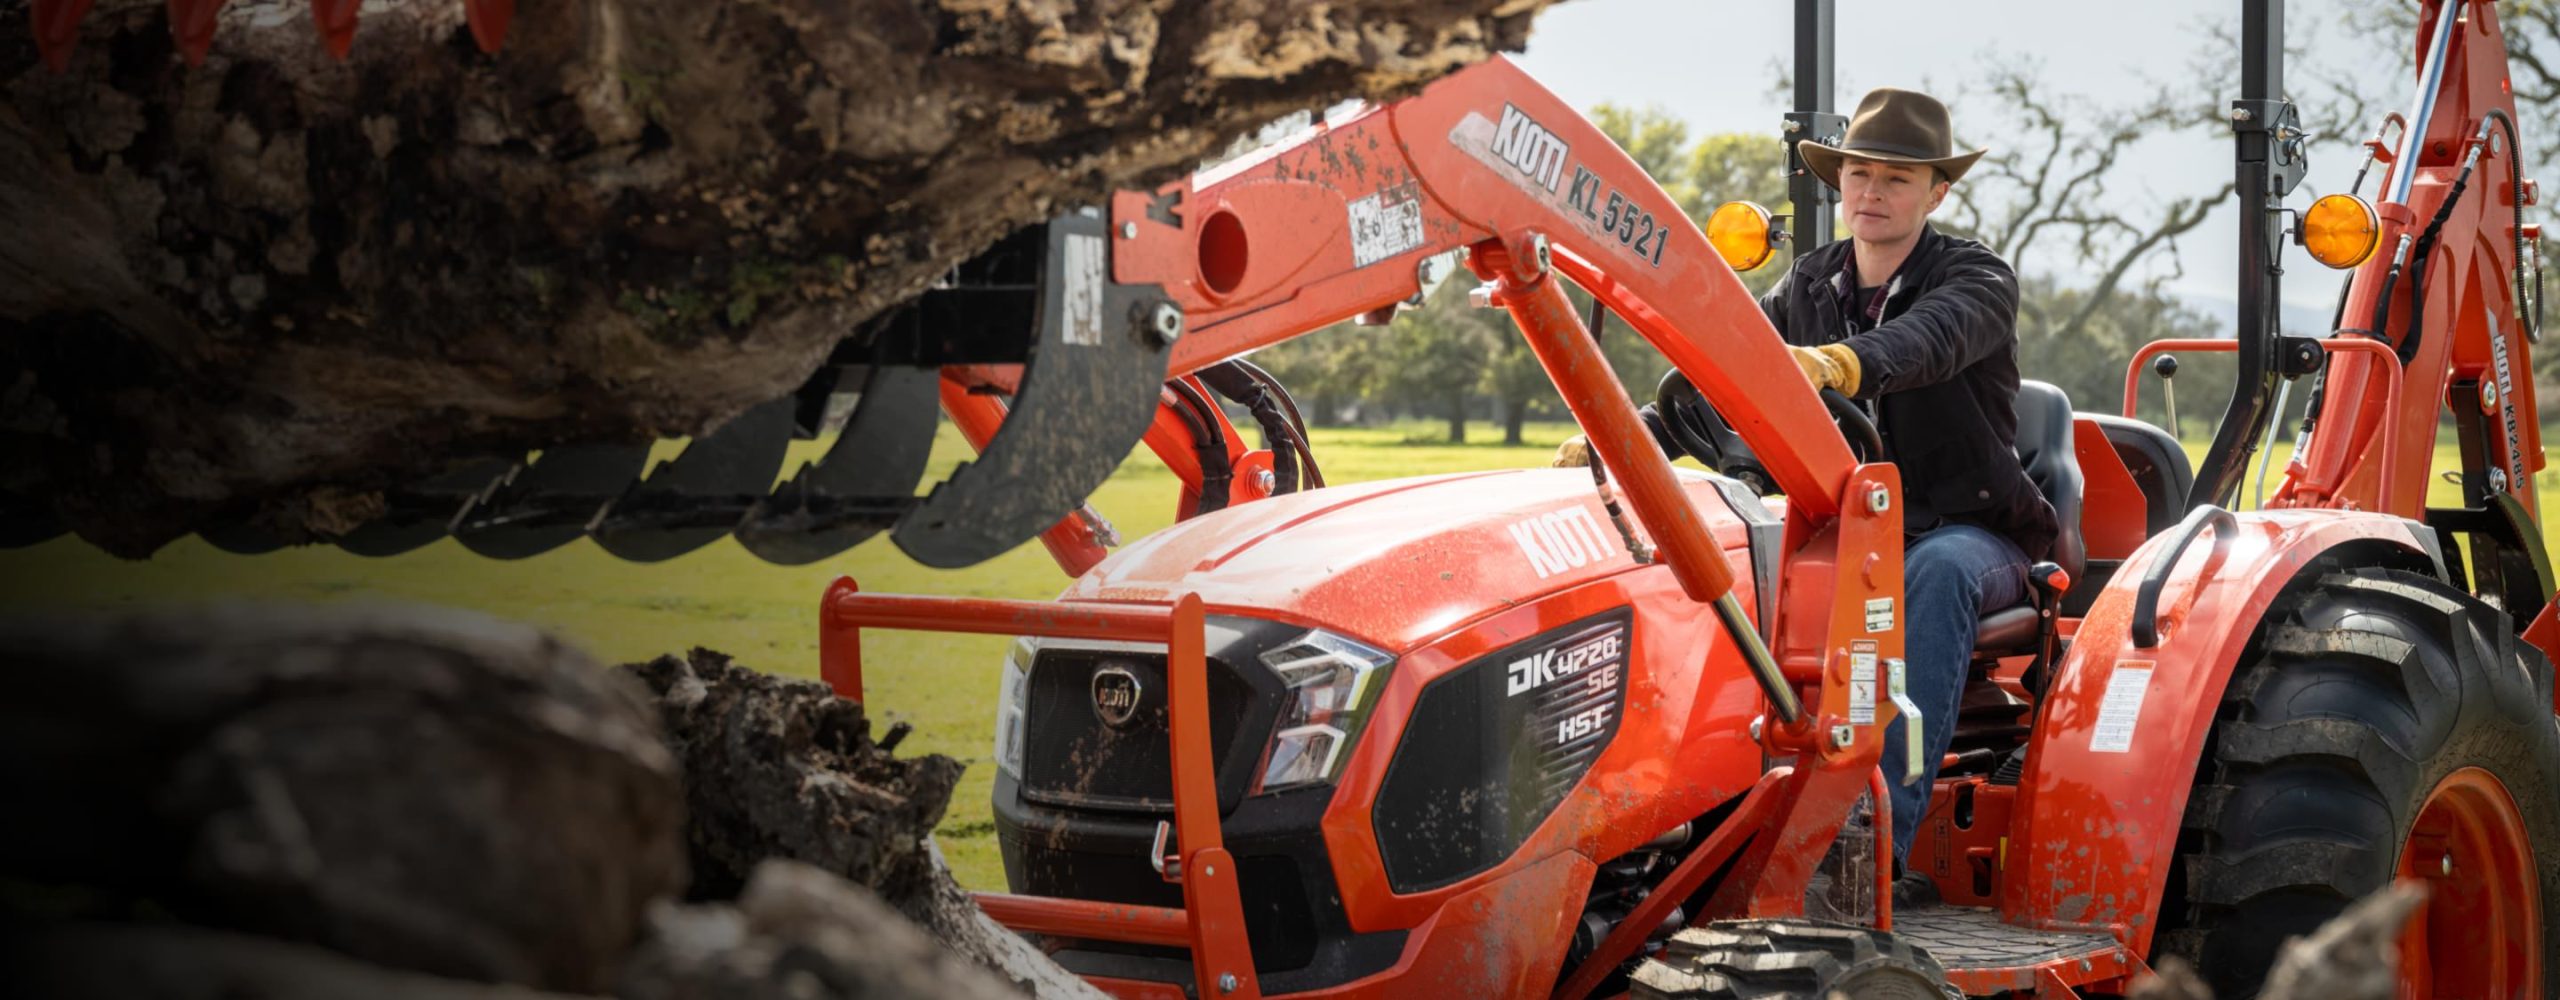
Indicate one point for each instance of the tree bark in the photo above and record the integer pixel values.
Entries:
(412, 802)
(798, 932)
(776, 768)
(1515, 413)
(780, 768)
(427, 790)
(277, 284)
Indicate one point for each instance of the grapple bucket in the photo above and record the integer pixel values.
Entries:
(1087, 393)
(864, 482)
(692, 501)
(549, 504)
(426, 512)
(1073, 361)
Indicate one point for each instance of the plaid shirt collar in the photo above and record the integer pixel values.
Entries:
(1845, 283)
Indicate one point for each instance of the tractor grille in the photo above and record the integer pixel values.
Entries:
(1072, 757)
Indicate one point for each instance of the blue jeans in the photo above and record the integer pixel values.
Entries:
(1949, 577)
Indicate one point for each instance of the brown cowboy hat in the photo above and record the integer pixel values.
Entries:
(1892, 126)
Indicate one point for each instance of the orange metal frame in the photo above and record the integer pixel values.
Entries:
(2383, 361)
(1211, 921)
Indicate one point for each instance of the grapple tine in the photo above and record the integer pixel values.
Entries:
(692, 501)
(489, 20)
(548, 504)
(419, 515)
(240, 538)
(1087, 394)
(865, 480)
(57, 24)
(192, 22)
(336, 20)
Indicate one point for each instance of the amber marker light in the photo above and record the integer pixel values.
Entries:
(1739, 230)
(2340, 231)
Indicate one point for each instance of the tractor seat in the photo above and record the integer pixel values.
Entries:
(2046, 449)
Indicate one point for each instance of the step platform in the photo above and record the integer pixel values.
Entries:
(1984, 956)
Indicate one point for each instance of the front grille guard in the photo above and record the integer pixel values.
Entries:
(1210, 921)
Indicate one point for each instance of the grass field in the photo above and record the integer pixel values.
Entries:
(762, 614)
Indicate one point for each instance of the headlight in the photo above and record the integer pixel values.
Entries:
(1332, 684)
(1013, 697)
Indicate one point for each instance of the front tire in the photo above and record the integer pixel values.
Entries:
(2388, 726)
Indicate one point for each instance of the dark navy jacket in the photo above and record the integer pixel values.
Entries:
(1941, 365)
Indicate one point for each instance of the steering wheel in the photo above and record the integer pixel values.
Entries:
(1694, 426)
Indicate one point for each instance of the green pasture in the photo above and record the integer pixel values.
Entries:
(723, 599)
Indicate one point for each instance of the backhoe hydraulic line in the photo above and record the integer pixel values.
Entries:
(2435, 228)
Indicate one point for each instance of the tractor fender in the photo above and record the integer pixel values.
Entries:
(2118, 735)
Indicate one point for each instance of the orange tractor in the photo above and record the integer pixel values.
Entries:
(1489, 735)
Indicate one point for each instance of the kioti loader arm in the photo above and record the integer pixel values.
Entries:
(1342, 222)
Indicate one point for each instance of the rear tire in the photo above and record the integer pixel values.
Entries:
(2366, 692)
(1771, 959)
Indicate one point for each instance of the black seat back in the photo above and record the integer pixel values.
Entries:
(2046, 449)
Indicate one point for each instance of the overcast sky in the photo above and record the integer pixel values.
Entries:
(1715, 65)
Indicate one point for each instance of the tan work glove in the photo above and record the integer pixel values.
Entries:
(1830, 366)
(1574, 453)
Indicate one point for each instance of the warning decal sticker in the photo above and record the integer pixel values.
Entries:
(1880, 614)
(2120, 712)
(1386, 224)
(1083, 289)
(1862, 683)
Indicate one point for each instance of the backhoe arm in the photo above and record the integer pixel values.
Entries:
(2443, 288)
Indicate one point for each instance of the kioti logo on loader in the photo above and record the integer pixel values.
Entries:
(1523, 143)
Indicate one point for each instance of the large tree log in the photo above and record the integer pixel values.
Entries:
(92, 961)
(442, 800)
(429, 790)
(280, 283)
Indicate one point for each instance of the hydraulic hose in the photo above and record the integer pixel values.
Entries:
(2444, 211)
(1297, 420)
(1215, 471)
(1240, 387)
(2528, 312)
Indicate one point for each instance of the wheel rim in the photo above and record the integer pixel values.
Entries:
(2479, 933)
